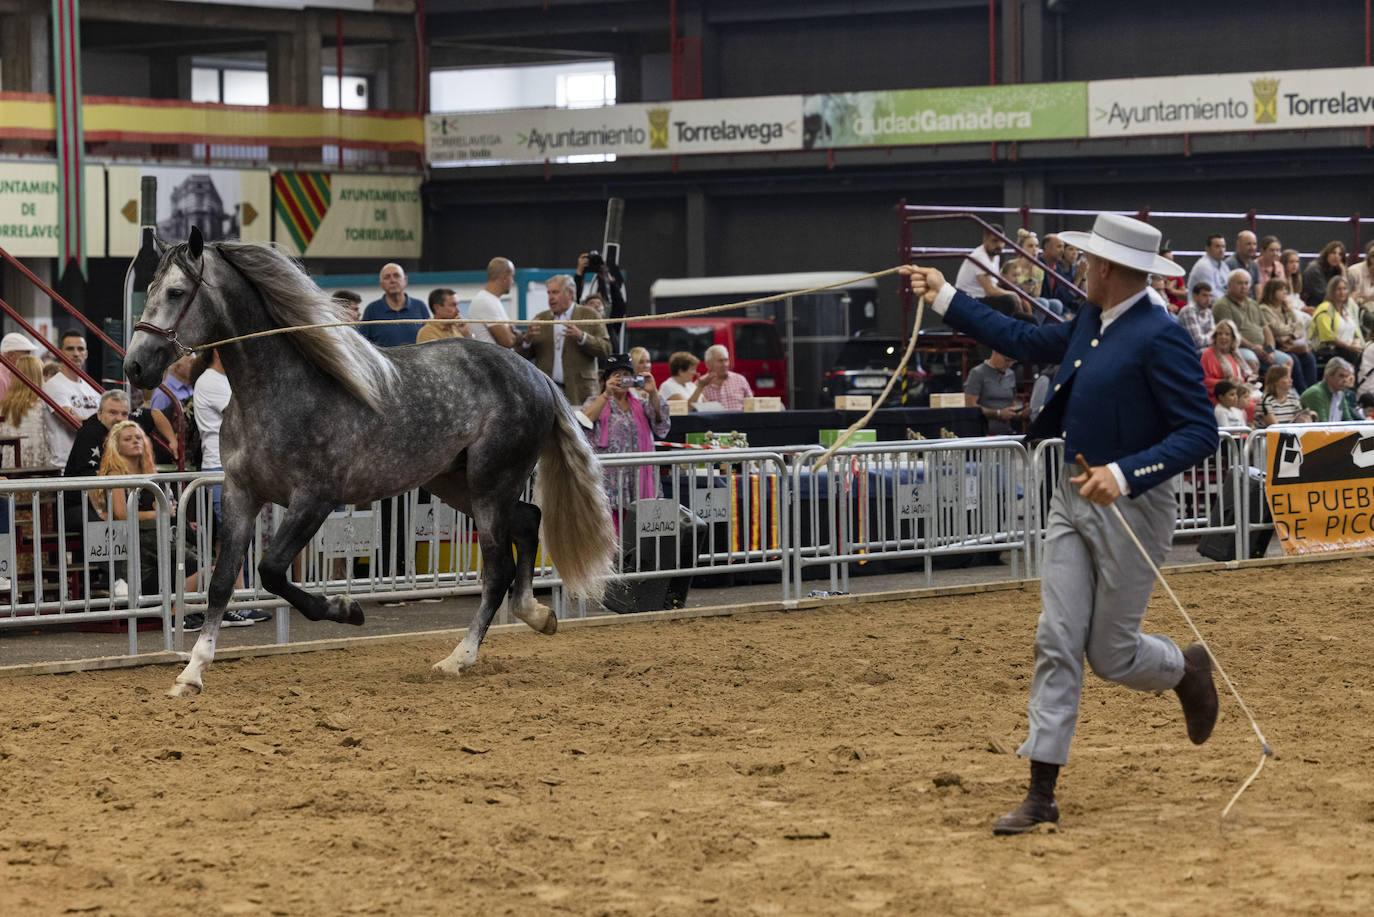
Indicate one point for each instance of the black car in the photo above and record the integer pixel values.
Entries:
(867, 361)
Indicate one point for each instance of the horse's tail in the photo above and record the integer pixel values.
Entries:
(576, 527)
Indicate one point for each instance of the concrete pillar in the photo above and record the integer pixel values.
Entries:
(1024, 188)
(400, 77)
(294, 67)
(629, 75)
(25, 53)
(1037, 43)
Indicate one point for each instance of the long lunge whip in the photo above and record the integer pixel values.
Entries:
(1267, 752)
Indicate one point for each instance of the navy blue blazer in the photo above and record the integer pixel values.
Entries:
(1133, 396)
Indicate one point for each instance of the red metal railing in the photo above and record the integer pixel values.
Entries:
(178, 422)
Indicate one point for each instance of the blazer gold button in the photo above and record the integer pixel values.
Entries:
(1094, 342)
(1077, 363)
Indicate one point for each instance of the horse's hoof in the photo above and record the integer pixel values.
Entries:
(344, 610)
(183, 689)
(450, 667)
(540, 618)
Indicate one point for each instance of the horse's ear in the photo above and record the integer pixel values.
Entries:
(195, 246)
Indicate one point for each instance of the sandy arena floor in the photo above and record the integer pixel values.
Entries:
(843, 760)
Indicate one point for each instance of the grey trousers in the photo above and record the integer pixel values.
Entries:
(1093, 594)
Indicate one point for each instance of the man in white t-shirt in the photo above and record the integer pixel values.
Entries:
(486, 305)
(978, 273)
(73, 393)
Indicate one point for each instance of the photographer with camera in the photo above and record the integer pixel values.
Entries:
(567, 353)
(621, 423)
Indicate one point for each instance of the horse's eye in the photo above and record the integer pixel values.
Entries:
(175, 293)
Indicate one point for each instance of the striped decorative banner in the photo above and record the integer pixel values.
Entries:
(301, 200)
(71, 146)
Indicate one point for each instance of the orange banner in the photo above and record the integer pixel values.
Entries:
(1320, 486)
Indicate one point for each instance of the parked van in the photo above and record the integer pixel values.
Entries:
(753, 343)
(813, 327)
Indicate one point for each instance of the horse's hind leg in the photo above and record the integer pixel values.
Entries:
(239, 510)
(303, 519)
(525, 532)
(494, 537)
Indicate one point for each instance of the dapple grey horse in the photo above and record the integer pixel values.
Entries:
(321, 417)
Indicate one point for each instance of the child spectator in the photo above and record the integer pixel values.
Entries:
(1227, 396)
(1280, 403)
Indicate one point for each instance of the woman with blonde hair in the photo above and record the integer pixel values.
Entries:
(22, 414)
(128, 451)
(1222, 360)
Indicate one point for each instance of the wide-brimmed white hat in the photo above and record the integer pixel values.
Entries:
(1126, 241)
(14, 341)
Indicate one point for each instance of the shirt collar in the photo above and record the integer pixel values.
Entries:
(1116, 311)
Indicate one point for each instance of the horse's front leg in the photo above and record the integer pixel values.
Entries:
(303, 519)
(239, 509)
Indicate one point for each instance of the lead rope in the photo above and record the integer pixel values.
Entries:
(704, 310)
(1267, 752)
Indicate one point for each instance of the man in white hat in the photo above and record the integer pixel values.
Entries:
(12, 345)
(1128, 398)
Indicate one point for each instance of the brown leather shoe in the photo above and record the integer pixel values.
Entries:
(1026, 816)
(1197, 693)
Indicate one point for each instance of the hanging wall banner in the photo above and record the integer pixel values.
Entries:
(1274, 100)
(224, 203)
(649, 129)
(1321, 489)
(29, 210)
(340, 215)
(905, 117)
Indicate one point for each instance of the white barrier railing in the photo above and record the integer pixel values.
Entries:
(760, 515)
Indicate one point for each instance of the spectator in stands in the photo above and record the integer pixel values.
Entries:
(1060, 275)
(1269, 264)
(1292, 272)
(486, 306)
(1365, 402)
(978, 273)
(1280, 403)
(23, 414)
(1197, 317)
(13, 345)
(1289, 334)
(71, 393)
(1211, 268)
(50, 369)
(394, 304)
(643, 366)
(349, 303)
(596, 304)
(624, 424)
(128, 451)
(89, 443)
(720, 385)
(991, 387)
(212, 395)
(1244, 257)
(159, 413)
(1332, 400)
(1226, 395)
(177, 381)
(1362, 280)
(1335, 324)
(444, 306)
(1222, 361)
(1034, 281)
(679, 385)
(1175, 288)
(1256, 340)
(1158, 294)
(1328, 264)
(566, 353)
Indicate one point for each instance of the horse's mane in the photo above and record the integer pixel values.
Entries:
(293, 299)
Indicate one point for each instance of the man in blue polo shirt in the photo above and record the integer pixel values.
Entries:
(1128, 398)
(393, 304)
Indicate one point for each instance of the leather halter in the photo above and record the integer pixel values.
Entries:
(171, 333)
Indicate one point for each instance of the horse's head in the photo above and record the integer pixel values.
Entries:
(173, 324)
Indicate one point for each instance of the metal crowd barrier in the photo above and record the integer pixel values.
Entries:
(709, 517)
(917, 500)
(60, 558)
